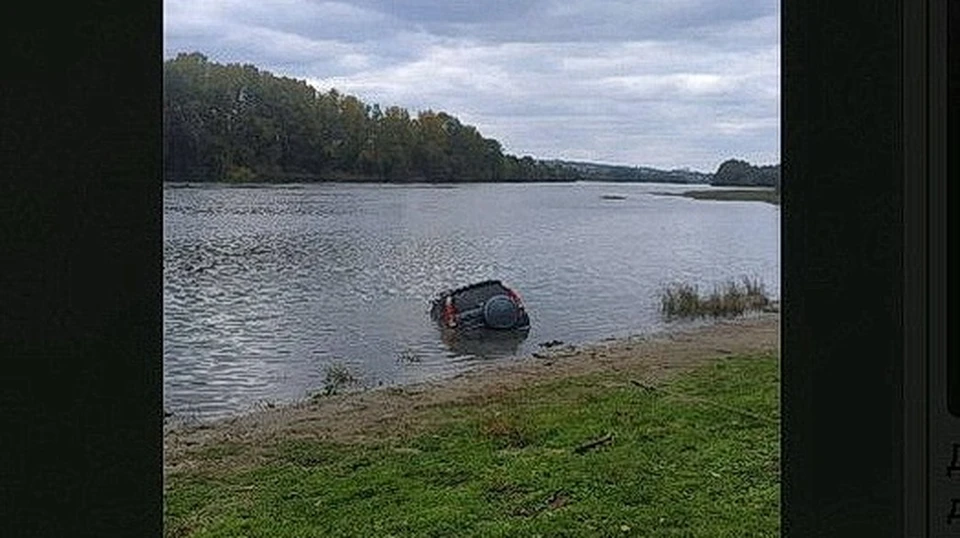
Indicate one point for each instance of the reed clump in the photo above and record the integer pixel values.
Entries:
(337, 377)
(731, 298)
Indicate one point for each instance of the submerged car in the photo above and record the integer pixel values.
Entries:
(484, 305)
(484, 343)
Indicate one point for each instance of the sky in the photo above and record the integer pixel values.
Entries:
(667, 84)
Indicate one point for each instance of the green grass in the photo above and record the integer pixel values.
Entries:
(678, 465)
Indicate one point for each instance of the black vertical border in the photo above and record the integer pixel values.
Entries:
(843, 278)
(81, 269)
(914, 112)
(952, 188)
(942, 426)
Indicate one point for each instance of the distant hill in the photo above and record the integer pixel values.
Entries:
(640, 174)
(734, 172)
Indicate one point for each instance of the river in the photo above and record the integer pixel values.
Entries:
(266, 287)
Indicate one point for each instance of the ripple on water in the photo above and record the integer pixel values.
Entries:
(266, 287)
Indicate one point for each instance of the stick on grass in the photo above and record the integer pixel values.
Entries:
(606, 439)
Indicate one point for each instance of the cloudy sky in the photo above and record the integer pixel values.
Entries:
(664, 83)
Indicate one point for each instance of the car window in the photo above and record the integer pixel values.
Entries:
(474, 297)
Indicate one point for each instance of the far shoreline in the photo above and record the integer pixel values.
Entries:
(760, 194)
(304, 180)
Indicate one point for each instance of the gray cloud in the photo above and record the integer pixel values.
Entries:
(571, 20)
(426, 12)
(669, 84)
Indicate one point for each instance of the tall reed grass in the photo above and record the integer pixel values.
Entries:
(731, 298)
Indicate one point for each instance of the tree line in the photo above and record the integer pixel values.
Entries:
(633, 174)
(239, 123)
(741, 173)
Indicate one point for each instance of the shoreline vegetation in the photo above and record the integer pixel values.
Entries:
(239, 124)
(673, 433)
(768, 195)
(732, 298)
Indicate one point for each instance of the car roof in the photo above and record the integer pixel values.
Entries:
(474, 285)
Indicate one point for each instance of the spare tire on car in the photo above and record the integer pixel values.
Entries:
(500, 312)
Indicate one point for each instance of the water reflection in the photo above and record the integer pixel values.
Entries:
(484, 343)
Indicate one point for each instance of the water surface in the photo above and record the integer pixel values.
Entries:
(266, 286)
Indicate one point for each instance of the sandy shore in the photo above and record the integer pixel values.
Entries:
(379, 413)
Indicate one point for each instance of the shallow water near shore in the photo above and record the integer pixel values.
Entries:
(266, 287)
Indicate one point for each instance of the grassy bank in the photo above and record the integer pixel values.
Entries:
(593, 455)
(739, 195)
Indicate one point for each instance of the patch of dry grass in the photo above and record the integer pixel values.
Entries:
(506, 430)
(732, 298)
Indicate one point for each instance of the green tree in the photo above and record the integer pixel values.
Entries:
(233, 122)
